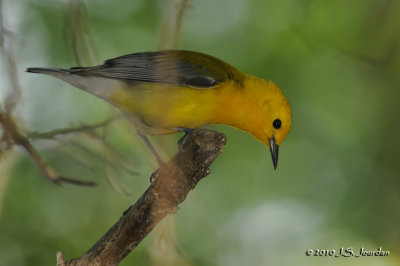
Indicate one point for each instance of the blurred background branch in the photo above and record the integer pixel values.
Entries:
(78, 30)
(10, 133)
(12, 136)
(69, 130)
(84, 49)
(172, 24)
(9, 64)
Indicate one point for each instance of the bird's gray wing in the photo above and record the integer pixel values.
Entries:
(168, 67)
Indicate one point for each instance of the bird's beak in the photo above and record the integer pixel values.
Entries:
(274, 149)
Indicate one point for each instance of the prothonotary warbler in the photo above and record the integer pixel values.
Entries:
(169, 91)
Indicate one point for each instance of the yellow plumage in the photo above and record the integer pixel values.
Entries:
(162, 92)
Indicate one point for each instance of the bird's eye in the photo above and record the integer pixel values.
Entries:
(277, 123)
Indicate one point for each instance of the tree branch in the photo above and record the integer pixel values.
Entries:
(12, 136)
(170, 185)
(64, 131)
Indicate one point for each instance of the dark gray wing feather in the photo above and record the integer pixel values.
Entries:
(169, 67)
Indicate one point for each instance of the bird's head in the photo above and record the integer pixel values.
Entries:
(276, 121)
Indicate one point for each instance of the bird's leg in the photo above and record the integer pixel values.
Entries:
(151, 148)
(186, 130)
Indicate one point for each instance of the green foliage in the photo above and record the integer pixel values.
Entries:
(337, 182)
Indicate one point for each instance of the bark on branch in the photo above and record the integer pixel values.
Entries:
(170, 185)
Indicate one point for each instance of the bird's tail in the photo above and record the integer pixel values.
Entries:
(48, 71)
(63, 74)
(99, 86)
(55, 72)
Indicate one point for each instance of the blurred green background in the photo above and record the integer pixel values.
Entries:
(338, 179)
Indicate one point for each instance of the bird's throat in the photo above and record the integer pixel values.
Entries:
(240, 108)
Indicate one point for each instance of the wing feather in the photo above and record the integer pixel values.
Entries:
(168, 67)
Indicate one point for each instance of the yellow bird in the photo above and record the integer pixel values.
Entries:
(171, 91)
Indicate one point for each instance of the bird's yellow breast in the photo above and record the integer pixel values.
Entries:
(162, 107)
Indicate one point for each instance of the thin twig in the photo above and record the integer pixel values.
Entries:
(114, 164)
(8, 61)
(63, 131)
(115, 155)
(46, 169)
(82, 42)
(15, 137)
(171, 30)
